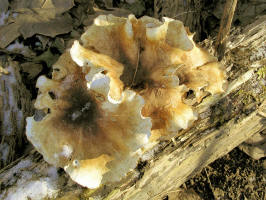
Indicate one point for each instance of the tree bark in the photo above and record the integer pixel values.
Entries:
(15, 106)
(189, 12)
(225, 121)
(203, 17)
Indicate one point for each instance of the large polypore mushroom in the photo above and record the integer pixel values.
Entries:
(159, 60)
(105, 90)
(93, 139)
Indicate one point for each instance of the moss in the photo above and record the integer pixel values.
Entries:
(262, 72)
(87, 194)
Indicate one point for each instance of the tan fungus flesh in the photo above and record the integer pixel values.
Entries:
(157, 57)
(82, 129)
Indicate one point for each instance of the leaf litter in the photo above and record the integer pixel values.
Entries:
(45, 17)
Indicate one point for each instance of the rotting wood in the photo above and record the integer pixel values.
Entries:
(175, 168)
(224, 122)
(15, 106)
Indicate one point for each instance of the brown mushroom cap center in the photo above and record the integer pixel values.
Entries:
(79, 107)
(82, 108)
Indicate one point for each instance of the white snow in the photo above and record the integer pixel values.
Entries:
(28, 186)
(34, 190)
(4, 151)
(3, 17)
(15, 46)
(18, 47)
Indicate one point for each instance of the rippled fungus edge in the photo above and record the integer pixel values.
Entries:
(125, 84)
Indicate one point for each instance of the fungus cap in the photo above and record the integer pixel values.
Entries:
(126, 82)
(82, 130)
(159, 60)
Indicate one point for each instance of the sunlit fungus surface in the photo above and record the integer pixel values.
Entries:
(126, 82)
(81, 131)
(158, 60)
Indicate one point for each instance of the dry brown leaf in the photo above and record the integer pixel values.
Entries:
(33, 69)
(59, 6)
(3, 6)
(31, 24)
(48, 57)
(17, 4)
(8, 33)
(119, 12)
(37, 17)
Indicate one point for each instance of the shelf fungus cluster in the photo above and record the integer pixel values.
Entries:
(127, 82)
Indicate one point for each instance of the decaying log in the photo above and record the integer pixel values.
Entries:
(224, 122)
(175, 168)
(15, 106)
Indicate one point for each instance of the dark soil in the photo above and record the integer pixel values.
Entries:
(234, 176)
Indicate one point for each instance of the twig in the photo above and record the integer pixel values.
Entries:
(183, 13)
(137, 66)
(226, 21)
(209, 181)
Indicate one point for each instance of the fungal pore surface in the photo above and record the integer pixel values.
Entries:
(127, 82)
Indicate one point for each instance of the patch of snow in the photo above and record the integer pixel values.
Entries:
(15, 46)
(4, 151)
(15, 15)
(52, 172)
(259, 54)
(3, 17)
(34, 190)
(9, 175)
(18, 47)
(21, 165)
(28, 186)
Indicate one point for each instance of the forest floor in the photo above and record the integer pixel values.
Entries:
(234, 176)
